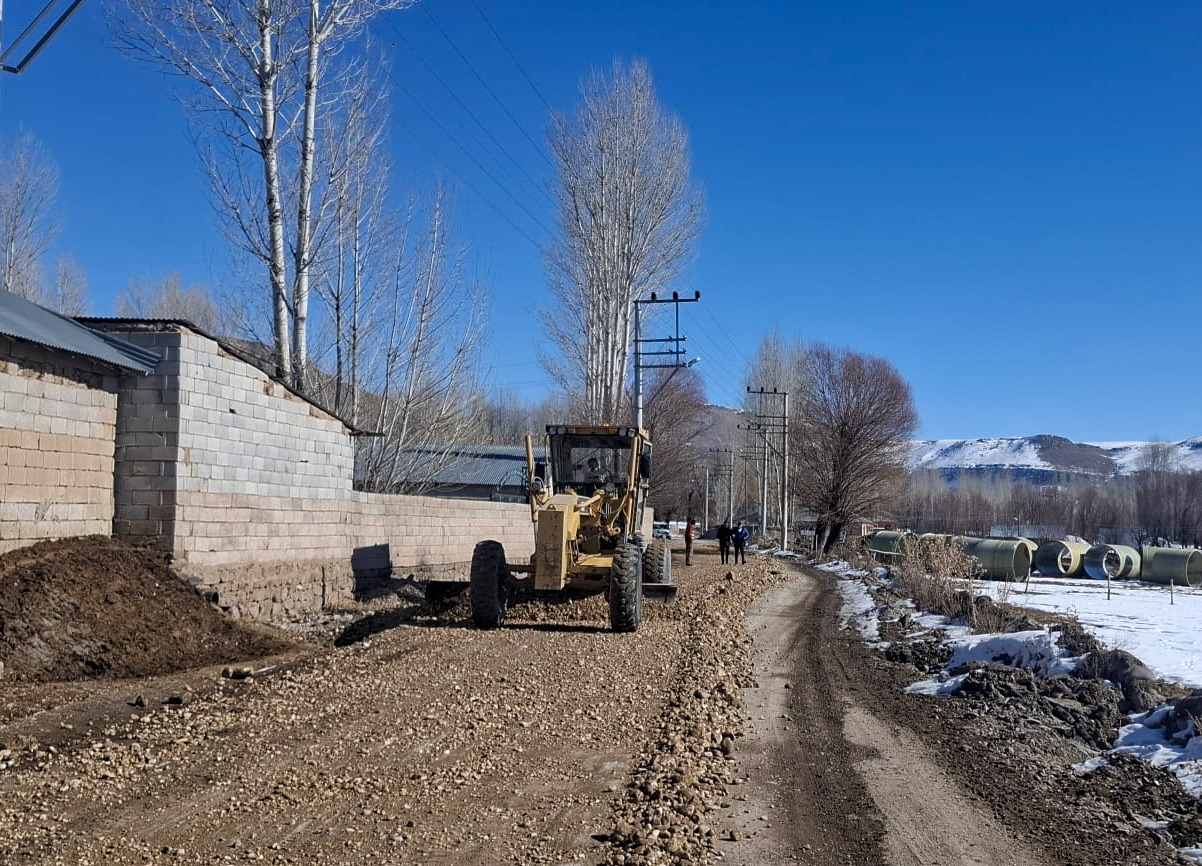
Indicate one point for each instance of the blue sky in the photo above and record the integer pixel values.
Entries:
(1004, 200)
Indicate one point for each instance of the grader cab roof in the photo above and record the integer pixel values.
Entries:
(594, 430)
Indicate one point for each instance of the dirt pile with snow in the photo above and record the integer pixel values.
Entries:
(93, 607)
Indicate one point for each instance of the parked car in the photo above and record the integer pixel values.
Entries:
(661, 530)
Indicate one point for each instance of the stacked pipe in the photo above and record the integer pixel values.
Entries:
(889, 545)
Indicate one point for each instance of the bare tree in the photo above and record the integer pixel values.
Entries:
(28, 187)
(675, 416)
(850, 436)
(628, 218)
(168, 299)
(266, 72)
(67, 292)
(423, 361)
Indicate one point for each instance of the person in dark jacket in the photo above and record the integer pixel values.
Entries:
(739, 538)
(724, 542)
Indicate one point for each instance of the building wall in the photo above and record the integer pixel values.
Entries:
(57, 424)
(250, 488)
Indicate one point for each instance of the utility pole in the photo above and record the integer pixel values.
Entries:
(673, 355)
(729, 472)
(770, 426)
(705, 526)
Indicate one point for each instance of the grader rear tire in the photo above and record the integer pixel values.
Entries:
(626, 589)
(657, 562)
(488, 591)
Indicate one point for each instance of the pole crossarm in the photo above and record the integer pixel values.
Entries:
(677, 341)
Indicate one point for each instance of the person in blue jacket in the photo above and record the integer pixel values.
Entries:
(739, 540)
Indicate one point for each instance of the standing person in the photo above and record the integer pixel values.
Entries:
(690, 531)
(724, 534)
(741, 534)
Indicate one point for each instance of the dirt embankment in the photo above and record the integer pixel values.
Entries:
(93, 607)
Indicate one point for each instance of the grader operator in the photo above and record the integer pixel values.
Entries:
(586, 503)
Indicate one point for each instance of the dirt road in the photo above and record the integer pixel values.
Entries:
(829, 780)
(706, 735)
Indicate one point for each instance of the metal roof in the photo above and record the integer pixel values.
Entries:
(25, 320)
(470, 465)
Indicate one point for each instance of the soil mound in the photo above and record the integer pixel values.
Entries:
(92, 607)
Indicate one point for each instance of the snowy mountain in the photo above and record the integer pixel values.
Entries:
(1043, 457)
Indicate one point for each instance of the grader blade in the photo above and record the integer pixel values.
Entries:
(664, 593)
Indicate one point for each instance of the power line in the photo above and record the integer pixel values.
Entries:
(471, 188)
(468, 153)
(484, 83)
(467, 109)
(505, 47)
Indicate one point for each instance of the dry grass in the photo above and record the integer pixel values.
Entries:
(938, 575)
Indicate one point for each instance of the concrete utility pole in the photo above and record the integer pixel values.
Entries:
(729, 472)
(770, 426)
(676, 352)
(706, 525)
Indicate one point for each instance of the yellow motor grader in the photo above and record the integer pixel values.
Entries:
(586, 502)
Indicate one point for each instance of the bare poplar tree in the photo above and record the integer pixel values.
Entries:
(169, 299)
(265, 72)
(28, 187)
(362, 248)
(850, 437)
(628, 218)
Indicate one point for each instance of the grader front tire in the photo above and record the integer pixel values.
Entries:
(626, 589)
(488, 592)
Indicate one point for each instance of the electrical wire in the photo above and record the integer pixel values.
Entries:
(467, 109)
(425, 9)
(538, 221)
(505, 48)
(470, 187)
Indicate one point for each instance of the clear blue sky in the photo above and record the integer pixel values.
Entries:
(1003, 199)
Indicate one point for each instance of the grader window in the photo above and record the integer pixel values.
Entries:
(583, 461)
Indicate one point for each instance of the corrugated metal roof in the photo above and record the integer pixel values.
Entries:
(24, 320)
(471, 465)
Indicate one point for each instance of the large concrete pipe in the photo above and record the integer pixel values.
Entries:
(890, 545)
(1060, 558)
(1117, 560)
(1162, 564)
(1031, 546)
(1000, 558)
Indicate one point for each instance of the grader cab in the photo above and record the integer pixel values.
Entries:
(586, 503)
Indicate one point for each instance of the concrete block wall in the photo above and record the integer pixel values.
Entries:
(250, 488)
(57, 426)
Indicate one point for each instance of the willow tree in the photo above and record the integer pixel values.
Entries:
(628, 215)
(850, 432)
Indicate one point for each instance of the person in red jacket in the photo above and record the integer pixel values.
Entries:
(690, 532)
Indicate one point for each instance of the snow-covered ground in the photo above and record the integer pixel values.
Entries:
(1139, 618)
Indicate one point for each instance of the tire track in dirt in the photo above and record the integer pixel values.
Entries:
(830, 781)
